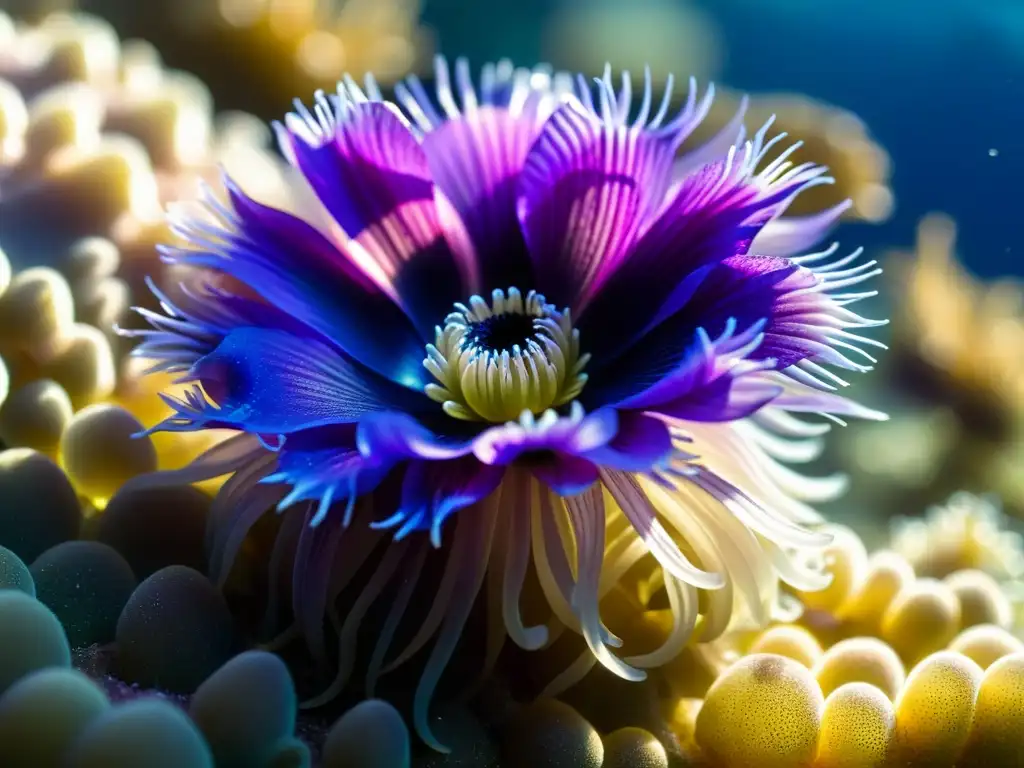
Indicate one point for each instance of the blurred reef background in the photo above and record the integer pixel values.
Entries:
(108, 118)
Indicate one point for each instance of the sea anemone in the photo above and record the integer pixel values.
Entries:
(516, 308)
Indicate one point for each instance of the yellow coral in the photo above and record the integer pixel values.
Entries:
(981, 599)
(765, 710)
(935, 710)
(860, 660)
(967, 532)
(790, 641)
(282, 48)
(856, 728)
(885, 577)
(922, 619)
(997, 734)
(985, 644)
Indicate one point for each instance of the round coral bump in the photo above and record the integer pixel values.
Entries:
(633, 748)
(245, 709)
(37, 312)
(765, 710)
(31, 638)
(13, 122)
(35, 416)
(5, 264)
(100, 452)
(550, 734)
(157, 527)
(846, 560)
(86, 48)
(370, 735)
(85, 367)
(43, 714)
(5, 382)
(921, 620)
(886, 575)
(174, 632)
(860, 660)
(985, 644)
(91, 259)
(790, 641)
(856, 728)
(145, 732)
(290, 752)
(14, 574)
(997, 734)
(935, 709)
(69, 113)
(982, 601)
(86, 584)
(38, 505)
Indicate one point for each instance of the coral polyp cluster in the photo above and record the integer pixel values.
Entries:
(97, 137)
(280, 47)
(769, 710)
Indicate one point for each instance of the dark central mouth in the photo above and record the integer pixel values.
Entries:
(499, 333)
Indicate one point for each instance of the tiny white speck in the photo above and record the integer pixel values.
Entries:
(993, 152)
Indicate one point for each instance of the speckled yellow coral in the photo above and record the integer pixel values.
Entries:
(765, 710)
(790, 641)
(922, 619)
(860, 660)
(935, 710)
(886, 575)
(856, 728)
(985, 644)
(997, 734)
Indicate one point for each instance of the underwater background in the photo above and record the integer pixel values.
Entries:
(179, 622)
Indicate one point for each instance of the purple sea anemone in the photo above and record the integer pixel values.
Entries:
(516, 305)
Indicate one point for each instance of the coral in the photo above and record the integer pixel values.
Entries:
(935, 709)
(174, 631)
(35, 416)
(280, 47)
(85, 367)
(152, 733)
(960, 335)
(86, 584)
(790, 641)
(370, 735)
(43, 714)
(31, 638)
(860, 660)
(290, 753)
(38, 505)
(857, 727)
(100, 451)
(981, 599)
(633, 748)
(997, 733)
(246, 710)
(967, 532)
(14, 574)
(764, 710)
(985, 644)
(923, 618)
(550, 734)
(156, 528)
(37, 314)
